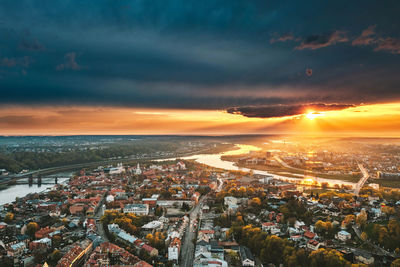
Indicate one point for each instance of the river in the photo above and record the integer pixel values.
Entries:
(20, 190)
(212, 160)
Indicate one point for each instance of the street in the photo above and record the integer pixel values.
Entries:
(187, 251)
(99, 224)
(362, 181)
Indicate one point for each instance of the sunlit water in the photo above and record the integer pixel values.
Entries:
(20, 190)
(214, 160)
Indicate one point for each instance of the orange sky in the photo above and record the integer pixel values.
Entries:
(365, 120)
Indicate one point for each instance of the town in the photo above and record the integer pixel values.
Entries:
(182, 213)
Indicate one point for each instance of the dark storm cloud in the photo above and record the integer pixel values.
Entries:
(197, 54)
(317, 41)
(275, 111)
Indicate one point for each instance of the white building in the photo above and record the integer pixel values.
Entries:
(313, 244)
(181, 165)
(343, 235)
(173, 250)
(117, 170)
(153, 225)
(246, 256)
(110, 198)
(138, 171)
(138, 209)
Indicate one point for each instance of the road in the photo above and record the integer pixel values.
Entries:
(221, 183)
(363, 179)
(187, 251)
(99, 224)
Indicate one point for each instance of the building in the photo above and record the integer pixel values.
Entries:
(153, 225)
(44, 242)
(115, 170)
(363, 257)
(267, 226)
(343, 235)
(174, 250)
(44, 232)
(313, 244)
(142, 264)
(229, 201)
(246, 256)
(72, 257)
(181, 165)
(138, 209)
(77, 209)
(107, 252)
(16, 250)
(138, 171)
(153, 252)
(387, 175)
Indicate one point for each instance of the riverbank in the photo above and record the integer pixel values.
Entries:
(291, 172)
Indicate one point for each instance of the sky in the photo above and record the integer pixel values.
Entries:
(199, 67)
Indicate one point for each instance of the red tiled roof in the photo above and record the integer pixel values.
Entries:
(309, 235)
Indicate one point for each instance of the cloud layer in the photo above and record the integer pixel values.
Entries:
(274, 111)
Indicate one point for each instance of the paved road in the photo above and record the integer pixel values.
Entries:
(363, 179)
(99, 224)
(187, 251)
(221, 183)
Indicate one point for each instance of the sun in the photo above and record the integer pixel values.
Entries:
(312, 114)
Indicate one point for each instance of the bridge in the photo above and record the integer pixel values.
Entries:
(363, 179)
(38, 180)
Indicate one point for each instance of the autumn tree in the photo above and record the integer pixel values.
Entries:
(9, 217)
(364, 236)
(31, 229)
(395, 263)
(327, 258)
(349, 219)
(361, 218)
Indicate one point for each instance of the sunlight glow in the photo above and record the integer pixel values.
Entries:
(312, 115)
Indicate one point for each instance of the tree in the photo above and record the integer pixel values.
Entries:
(56, 241)
(364, 236)
(185, 206)
(256, 201)
(349, 219)
(9, 217)
(388, 210)
(234, 258)
(39, 255)
(361, 218)
(395, 263)
(327, 257)
(54, 257)
(31, 229)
